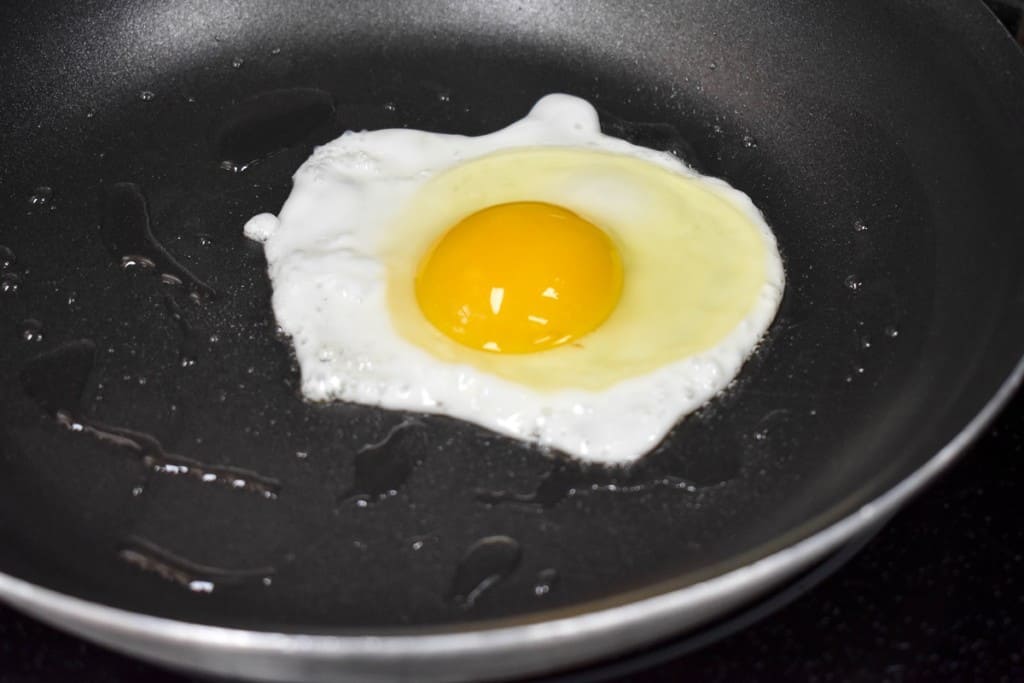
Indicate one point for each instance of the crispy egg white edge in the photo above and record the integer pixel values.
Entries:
(329, 284)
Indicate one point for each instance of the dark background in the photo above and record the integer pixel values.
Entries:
(937, 595)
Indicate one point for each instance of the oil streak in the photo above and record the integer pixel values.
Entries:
(126, 230)
(192, 346)
(567, 478)
(198, 578)
(564, 479)
(486, 563)
(56, 381)
(153, 456)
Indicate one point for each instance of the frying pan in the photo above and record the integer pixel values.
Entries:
(167, 492)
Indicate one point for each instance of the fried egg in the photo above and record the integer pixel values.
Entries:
(545, 281)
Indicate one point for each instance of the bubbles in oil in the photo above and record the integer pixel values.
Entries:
(237, 63)
(41, 196)
(10, 283)
(853, 283)
(749, 142)
(146, 95)
(32, 330)
(545, 581)
(891, 332)
(860, 226)
(7, 257)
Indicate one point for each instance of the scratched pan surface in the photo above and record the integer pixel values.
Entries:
(882, 143)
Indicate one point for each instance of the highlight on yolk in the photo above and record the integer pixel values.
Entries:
(519, 277)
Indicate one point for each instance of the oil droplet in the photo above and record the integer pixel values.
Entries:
(749, 142)
(204, 240)
(865, 342)
(853, 283)
(276, 51)
(713, 66)
(9, 283)
(32, 330)
(891, 332)
(484, 564)
(860, 226)
(546, 580)
(301, 455)
(390, 107)
(7, 258)
(137, 261)
(146, 95)
(56, 379)
(237, 63)
(444, 97)
(41, 196)
(72, 298)
(382, 467)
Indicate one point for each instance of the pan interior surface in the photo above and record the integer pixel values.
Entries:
(881, 145)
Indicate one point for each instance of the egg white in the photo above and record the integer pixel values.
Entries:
(328, 253)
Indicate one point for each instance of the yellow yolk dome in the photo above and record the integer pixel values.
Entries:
(519, 277)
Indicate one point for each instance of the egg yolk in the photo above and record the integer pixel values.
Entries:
(519, 277)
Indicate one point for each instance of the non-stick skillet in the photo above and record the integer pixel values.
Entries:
(165, 490)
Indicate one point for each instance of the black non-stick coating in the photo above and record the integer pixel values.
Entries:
(882, 140)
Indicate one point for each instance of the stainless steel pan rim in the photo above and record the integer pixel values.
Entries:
(485, 654)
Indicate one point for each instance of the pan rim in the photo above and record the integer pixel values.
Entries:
(626, 623)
